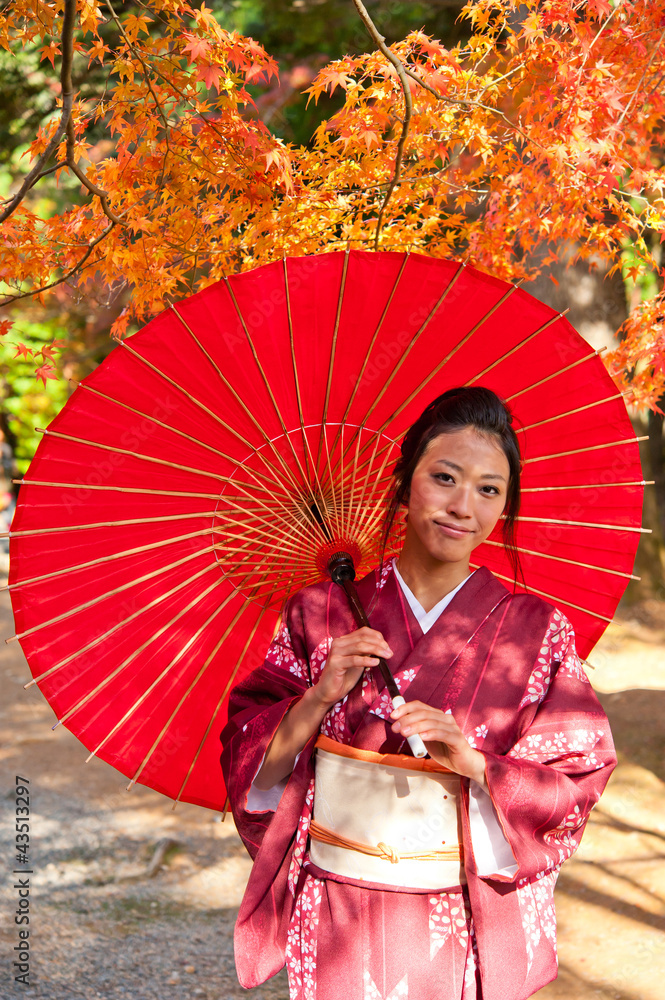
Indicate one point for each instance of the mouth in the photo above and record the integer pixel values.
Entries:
(453, 530)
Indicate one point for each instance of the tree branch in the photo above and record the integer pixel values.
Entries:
(408, 110)
(65, 277)
(67, 44)
(65, 128)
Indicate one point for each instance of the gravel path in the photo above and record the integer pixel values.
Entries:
(130, 899)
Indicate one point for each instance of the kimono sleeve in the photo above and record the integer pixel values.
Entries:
(256, 708)
(545, 786)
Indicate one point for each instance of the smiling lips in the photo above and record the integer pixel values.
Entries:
(452, 529)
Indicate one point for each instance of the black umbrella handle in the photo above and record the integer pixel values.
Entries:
(342, 572)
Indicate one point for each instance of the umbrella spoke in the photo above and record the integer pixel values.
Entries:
(197, 402)
(125, 621)
(141, 649)
(441, 364)
(268, 387)
(154, 459)
(458, 273)
(562, 559)
(111, 593)
(117, 489)
(585, 524)
(569, 413)
(592, 447)
(518, 347)
(220, 702)
(294, 365)
(550, 597)
(272, 480)
(191, 686)
(586, 486)
(370, 348)
(160, 677)
(28, 533)
(333, 347)
(109, 558)
(559, 371)
(237, 397)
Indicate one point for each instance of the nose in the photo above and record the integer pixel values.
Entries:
(459, 503)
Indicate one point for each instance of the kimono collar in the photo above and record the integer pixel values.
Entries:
(425, 618)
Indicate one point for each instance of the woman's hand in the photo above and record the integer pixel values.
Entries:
(348, 657)
(443, 738)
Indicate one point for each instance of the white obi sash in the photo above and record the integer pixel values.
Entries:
(385, 818)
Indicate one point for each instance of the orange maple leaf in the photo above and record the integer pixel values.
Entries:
(49, 52)
(197, 47)
(22, 350)
(45, 372)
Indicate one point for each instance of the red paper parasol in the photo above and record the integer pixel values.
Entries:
(198, 475)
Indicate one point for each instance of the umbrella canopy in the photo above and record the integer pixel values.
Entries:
(208, 467)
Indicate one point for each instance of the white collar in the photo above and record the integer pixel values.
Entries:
(426, 618)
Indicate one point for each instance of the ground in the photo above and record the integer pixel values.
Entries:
(133, 900)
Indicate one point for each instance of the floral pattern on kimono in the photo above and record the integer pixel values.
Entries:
(506, 667)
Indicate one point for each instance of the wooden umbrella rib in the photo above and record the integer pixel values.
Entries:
(142, 697)
(149, 492)
(592, 447)
(220, 702)
(117, 489)
(333, 346)
(192, 399)
(336, 516)
(189, 689)
(137, 652)
(586, 486)
(517, 347)
(148, 642)
(569, 413)
(101, 560)
(296, 379)
(29, 532)
(251, 531)
(585, 524)
(366, 500)
(125, 621)
(353, 515)
(268, 387)
(570, 562)
(410, 347)
(244, 406)
(372, 342)
(365, 361)
(175, 430)
(153, 459)
(444, 361)
(111, 593)
(559, 371)
(550, 597)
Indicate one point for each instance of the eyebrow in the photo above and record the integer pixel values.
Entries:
(458, 468)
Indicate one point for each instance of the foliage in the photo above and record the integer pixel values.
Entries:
(542, 127)
(32, 402)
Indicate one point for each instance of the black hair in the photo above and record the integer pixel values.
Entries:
(465, 406)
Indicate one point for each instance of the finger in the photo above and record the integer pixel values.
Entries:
(367, 636)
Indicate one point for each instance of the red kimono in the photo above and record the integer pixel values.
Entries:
(505, 666)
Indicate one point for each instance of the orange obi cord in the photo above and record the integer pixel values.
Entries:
(388, 759)
(382, 850)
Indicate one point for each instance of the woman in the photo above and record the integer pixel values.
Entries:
(512, 727)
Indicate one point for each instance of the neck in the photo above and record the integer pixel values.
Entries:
(428, 579)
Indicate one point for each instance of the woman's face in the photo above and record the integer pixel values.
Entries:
(458, 492)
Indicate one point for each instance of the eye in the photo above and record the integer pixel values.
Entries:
(490, 491)
(445, 477)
